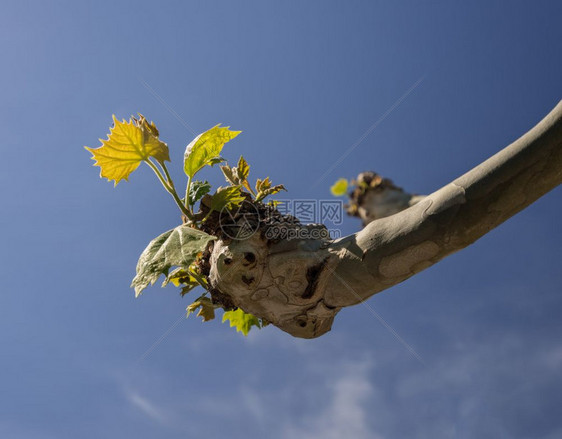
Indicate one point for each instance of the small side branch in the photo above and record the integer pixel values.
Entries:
(374, 197)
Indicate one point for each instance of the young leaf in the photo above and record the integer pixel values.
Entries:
(339, 188)
(226, 197)
(205, 149)
(230, 175)
(206, 308)
(262, 185)
(180, 276)
(263, 188)
(187, 289)
(274, 203)
(243, 169)
(197, 190)
(127, 145)
(176, 247)
(142, 123)
(270, 191)
(242, 321)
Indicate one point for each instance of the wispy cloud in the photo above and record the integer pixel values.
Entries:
(496, 378)
(346, 413)
(148, 408)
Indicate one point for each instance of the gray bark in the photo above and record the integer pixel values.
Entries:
(374, 197)
(299, 285)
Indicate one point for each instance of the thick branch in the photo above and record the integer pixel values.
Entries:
(392, 249)
(299, 285)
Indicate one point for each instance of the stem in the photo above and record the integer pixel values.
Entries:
(177, 199)
(247, 186)
(187, 190)
(167, 174)
(169, 186)
(207, 216)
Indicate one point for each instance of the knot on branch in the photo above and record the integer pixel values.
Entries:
(282, 281)
(374, 197)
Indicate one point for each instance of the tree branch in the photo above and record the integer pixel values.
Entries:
(392, 249)
(299, 285)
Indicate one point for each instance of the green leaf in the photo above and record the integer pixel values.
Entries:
(177, 247)
(206, 308)
(226, 197)
(242, 321)
(197, 190)
(339, 188)
(128, 144)
(205, 149)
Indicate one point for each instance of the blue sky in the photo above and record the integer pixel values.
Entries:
(80, 357)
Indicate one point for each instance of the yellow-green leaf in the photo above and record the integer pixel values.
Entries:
(270, 191)
(206, 308)
(226, 197)
(127, 145)
(274, 203)
(263, 188)
(339, 188)
(242, 321)
(180, 276)
(243, 169)
(262, 185)
(205, 149)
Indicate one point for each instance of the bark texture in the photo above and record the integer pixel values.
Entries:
(300, 284)
(374, 197)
